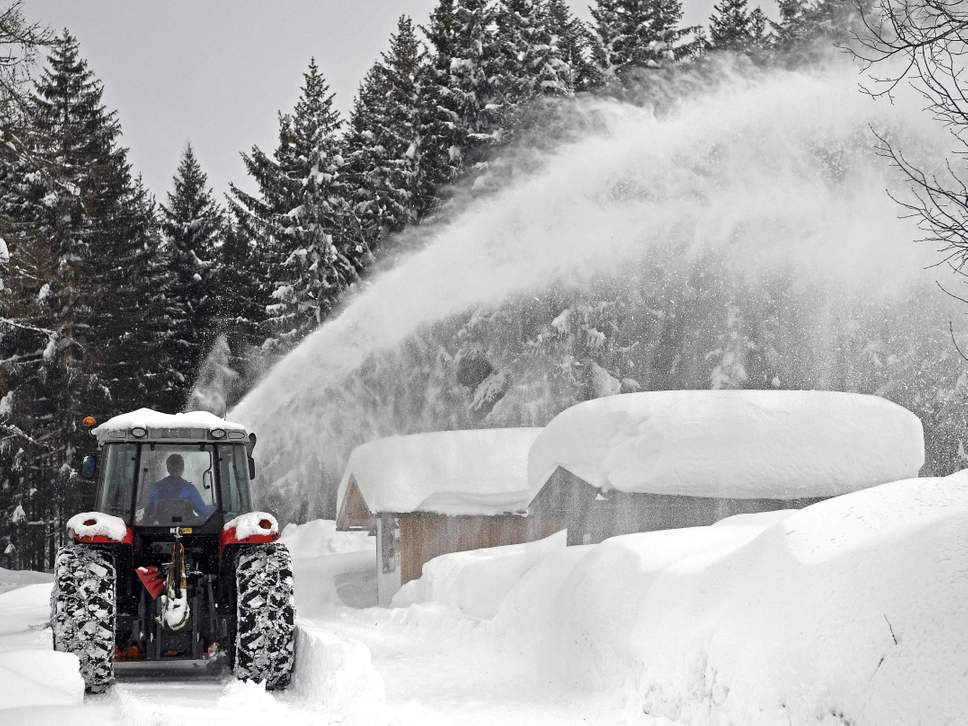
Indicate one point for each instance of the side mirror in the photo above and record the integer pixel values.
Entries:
(251, 468)
(89, 467)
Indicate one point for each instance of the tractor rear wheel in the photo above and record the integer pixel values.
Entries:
(265, 630)
(82, 612)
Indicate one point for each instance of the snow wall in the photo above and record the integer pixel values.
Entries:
(851, 611)
(735, 233)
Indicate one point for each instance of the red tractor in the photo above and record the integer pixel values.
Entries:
(174, 565)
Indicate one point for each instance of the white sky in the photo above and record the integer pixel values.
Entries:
(215, 72)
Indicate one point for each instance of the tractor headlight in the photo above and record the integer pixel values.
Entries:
(217, 433)
(139, 432)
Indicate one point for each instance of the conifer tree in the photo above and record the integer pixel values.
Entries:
(476, 99)
(634, 34)
(461, 102)
(438, 160)
(193, 225)
(149, 375)
(301, 222)
(572, 41)
(382, 146)
(68, 197)
(239, 305)
(531, 63)
(732, 26)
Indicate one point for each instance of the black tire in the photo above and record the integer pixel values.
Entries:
(82, 612)
(265, 628)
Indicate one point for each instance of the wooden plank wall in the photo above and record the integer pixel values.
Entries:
(425, 536)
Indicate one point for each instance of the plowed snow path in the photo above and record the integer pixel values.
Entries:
(422, 665)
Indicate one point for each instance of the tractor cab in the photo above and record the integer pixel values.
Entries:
(189, 471)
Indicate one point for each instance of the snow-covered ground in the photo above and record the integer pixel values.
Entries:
(852, 611)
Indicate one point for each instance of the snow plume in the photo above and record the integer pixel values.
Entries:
(758, 185)
(216, 379)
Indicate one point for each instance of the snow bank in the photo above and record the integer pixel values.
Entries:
(742, 444)
(320, 538)
(331, 568)
(151, 419)
(12, 579)
(337, 676)
(39, 678)
(477, 581)
(854, 610)
(251, 524)
(447, 472)
(97, 524)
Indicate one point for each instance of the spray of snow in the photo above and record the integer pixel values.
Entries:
(742, 168)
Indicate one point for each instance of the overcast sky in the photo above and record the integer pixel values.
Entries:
(215, 72)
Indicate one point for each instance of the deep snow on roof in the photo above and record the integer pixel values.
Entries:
(471, 472)
(151, 419)
(735, 444)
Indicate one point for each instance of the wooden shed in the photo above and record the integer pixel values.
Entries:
(425, 495)
(661, 460)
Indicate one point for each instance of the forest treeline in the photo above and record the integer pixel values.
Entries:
(111, 299)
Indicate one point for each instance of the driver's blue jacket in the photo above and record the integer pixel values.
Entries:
(174, 487)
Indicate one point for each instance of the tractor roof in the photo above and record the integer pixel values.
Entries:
(148, 425)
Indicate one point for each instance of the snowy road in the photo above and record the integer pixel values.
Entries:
(420, 665)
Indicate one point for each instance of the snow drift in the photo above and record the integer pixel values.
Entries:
(742, 444)
(849, 611)
(853, 610)
(475, 582)
(337, 676)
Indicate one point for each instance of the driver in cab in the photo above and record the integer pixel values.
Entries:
(173, 487)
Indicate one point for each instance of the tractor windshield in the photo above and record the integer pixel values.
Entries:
(176, 485)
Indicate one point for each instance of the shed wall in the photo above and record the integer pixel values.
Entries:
(566, 501)
(425, 536)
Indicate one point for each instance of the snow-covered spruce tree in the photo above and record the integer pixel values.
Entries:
(461, 104)
(302, 223)
(71, 236)
(531, 61)
(734, 27)
(148, 374)
(571, 38)
(382, 145)
(807, 28)
(438, 160)
(20, 41)
(193, 224)
(635, 34)
(474, 73)
(239, 307)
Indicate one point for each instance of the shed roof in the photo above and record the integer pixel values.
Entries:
(732, 444)
(470, 472)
